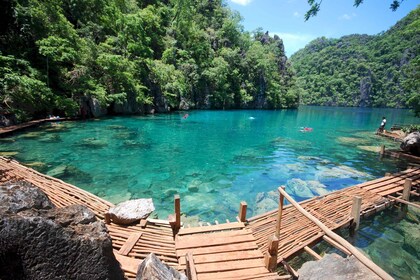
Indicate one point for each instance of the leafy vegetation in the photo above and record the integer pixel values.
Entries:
(136, 56)
(410, 128)
(363, 70)
(315, 6)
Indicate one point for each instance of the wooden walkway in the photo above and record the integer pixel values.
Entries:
(223, 251)
(333, 210)
(4, 131)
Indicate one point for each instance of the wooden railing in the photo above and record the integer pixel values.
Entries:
(329, 234)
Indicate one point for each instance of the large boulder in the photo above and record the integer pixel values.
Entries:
(333, 266)
(38, 241)
(153, 269)
(131, 211)
(411, 143)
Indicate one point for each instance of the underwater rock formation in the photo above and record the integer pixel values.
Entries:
(38, 241)
(333, 266)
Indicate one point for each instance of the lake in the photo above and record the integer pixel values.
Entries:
(213, 159)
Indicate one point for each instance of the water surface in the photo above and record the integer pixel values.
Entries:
(213, 159)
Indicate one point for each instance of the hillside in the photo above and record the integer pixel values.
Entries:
(362, 70)
(135, 57)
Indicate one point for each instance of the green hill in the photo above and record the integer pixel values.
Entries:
(136, 56)
(362, 70)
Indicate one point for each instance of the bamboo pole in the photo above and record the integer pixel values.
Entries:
(404, 201)
(312, 253)
(362, 258)
(280, 211)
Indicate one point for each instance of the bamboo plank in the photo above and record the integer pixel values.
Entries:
(232, 274)
(227, 256)
(211, 241)
(219, 249)
(128, 264)
(184, 231)
(229, 265)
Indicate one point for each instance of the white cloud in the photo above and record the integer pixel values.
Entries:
(242, 2)
(294, 41)
(347, 17)
(296, 14)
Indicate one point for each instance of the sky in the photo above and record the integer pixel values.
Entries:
(335, 19)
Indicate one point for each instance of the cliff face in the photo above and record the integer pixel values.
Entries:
(363, 70)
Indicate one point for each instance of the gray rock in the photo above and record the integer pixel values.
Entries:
(298, 187)
(20, 196)
(333, 266)
(131, 211)
(411, 143)
(52, 243)
(153, 269)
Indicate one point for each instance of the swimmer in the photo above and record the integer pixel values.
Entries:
(306, 129)
(185, 116)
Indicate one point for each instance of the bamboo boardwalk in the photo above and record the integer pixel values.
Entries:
(222, 251)
(333, 210)
(11, 129)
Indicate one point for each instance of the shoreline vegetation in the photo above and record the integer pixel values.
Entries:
(91, 59)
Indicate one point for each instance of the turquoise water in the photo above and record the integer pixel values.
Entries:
(391, 239)
(213, 159)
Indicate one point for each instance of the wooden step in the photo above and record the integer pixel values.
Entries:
(184, 231)
(210, 240)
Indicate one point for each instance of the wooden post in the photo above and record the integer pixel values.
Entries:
(382, 152)
(280, 212)
(175, 220)
(270, 257)
(355, 213)
(242, 211)
(191, 271)
(177, 206)
(107, 218)
(407, 188)
(406, 193)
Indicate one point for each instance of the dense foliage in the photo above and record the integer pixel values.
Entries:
(362, 70)
(136, 56)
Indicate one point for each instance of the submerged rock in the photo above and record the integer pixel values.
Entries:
(38, 241)
(131, 211)
(93, 143)
(153, 269)
(332, 266)
(265, 202)
(298, 187)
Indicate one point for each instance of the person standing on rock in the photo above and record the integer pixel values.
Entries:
(383, 123)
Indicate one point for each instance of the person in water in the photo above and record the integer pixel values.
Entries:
(382, 126)
(306, 129)
(185, 116)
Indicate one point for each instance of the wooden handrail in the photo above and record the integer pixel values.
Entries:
(362, 258)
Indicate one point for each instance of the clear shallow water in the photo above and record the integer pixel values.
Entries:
(213, 159)
(391, 239)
